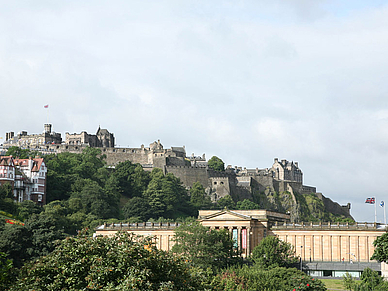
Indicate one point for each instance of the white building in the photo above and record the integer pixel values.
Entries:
(26, 176)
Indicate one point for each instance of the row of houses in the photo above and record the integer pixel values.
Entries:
(27, 178)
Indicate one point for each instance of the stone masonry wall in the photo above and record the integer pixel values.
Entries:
(189, 175)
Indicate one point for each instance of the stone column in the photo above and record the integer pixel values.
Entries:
(239, 238)
(249, 229)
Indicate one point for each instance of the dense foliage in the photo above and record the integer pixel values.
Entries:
(82, 192)
(276, 279)
(21, 153)
(272, 252)
(216, 164)
(370, 281)
(122, 262)
(5, 270)
(381, 249)
(204, 247)
(35, 238)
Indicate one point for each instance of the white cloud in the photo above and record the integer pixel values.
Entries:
(246, 81)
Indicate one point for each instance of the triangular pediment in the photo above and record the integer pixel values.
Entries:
(227, 215)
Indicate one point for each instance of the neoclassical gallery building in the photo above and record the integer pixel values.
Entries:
(326, 249)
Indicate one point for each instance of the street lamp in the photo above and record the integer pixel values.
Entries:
(301, 263)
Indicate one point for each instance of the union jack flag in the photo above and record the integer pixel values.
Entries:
(370, 200)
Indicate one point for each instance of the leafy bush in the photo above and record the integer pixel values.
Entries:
(250, 278)
(273, 252)
(122, 262)
(204, 247)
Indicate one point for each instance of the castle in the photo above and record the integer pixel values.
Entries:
(283, 176)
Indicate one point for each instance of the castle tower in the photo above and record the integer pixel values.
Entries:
(47, 128)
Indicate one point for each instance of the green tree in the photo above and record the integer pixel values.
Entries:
(216, 164)
(27, 208)
(14, 240)
(370, 279)
(381, 249)
(131, 179)
(247, 204)
(65, 169)
(6, 191)
(7, 203)
(122, 262)
(226, 202)
(251, 278)
(348, 281)
(90, 161)
(34, 239)
(5, 270)
(204, 247)
(58, 212)
(167, 197)
(198, 197)
(43, 232)
(21, 153)
(95, 200)
(273, 252)
(60, 175)
(137, 208)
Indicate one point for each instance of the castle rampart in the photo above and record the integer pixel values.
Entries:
(190, 175)
(283, 176)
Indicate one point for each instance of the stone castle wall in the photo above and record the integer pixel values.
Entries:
(236, 182)
(189, 175)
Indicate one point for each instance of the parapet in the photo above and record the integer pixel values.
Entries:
(330, 226)
(139, 226)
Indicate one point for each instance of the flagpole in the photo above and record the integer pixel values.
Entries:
(375, 212)
(385, 217)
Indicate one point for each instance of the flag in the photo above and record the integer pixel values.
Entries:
(46, 106)
(370, 200)
(382, 203)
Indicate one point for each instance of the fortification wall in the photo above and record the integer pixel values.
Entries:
(115, 156)
(334, 207)
(189, 175)
(261, 183)
(177, 161)
(220, 187)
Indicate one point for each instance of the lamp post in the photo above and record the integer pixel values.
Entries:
(310, 254)
(301, 263)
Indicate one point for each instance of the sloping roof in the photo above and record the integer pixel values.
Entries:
(178, 149)
(227, 215)
(102, 131)
(36, 163)
(7, 161)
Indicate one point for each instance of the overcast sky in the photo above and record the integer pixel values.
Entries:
(246, 81)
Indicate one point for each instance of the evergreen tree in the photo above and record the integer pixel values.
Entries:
(216, 164)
